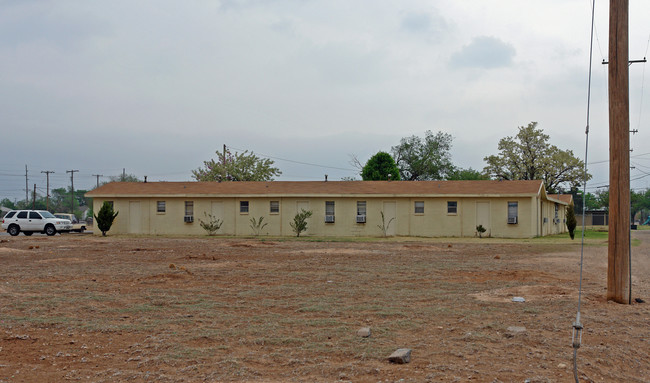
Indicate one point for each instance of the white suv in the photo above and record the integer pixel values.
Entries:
(34, 221)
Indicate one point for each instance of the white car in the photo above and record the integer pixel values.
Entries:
(34, 221)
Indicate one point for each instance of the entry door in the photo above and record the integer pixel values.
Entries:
(483, 215)
(390, 219)
(135, 225)
(217, 210)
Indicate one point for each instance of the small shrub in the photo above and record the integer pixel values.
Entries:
(384, 226)
(299, 223)
(212, 225)
(257, 226)
(105, 218)
(571, 221)
(480, 230)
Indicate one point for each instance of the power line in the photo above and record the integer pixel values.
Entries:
(297, 162)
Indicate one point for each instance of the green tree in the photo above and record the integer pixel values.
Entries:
(299, 223)
(428, 159)
(466, 174)
(124, 177)
(237, 167)
(529, 156)
(571, 221)
(379, 167)
(639, 201)
(602, 198)
(104, 219)
(6, 202)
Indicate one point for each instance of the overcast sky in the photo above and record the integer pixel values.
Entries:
(156, 87)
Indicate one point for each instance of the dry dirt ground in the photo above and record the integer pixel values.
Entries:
(208, 309)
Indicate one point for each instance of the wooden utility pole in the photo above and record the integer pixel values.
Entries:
(72, 194)
(618, 261)
(26, 186)
(98, 175)
(47, 195)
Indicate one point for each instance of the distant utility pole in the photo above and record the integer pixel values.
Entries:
(34, 199)
(26, 187)
(618, 260)
(72, 194)
(47, 195)
(98, 175)
(123, 174)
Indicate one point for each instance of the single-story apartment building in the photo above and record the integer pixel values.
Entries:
(508, 209)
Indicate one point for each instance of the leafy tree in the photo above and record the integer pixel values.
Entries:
(105, 217)
(466, 174)
(237, 167)
(428, 159)
(639, 201)
(299, 223)
(379, 167)
(571, 221)
(6, 202)
(591, 201)
(123, 178)
(529, 156)
(602, 198)
(212, 225)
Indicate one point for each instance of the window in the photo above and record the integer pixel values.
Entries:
(512, 212)
(160, 207)
(329, 211)
(361, 211)
(10, 214)
(361, 207)
(189, 208)
(452, 207)
(243, 207)
(556, 210)
(275, 207)
(34, 215)
(419, 207)
(22, 214)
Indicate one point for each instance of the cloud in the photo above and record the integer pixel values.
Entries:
(484, 52)
(431, 26)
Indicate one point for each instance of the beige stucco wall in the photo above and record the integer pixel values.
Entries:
(435, 222)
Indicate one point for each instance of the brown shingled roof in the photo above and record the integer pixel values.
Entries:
(566, 198)
(319, 188)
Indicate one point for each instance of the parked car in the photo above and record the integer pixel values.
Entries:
(34, 221)
(77, 226)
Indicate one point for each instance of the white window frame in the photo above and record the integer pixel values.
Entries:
(160, 204)
(274, 207)
(244, 207)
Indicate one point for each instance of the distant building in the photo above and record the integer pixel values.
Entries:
(594, 218)
(508, 209)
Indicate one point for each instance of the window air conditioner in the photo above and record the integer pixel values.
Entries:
(361, 219)
(189, 218)
(512, 220)
(329, 219)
